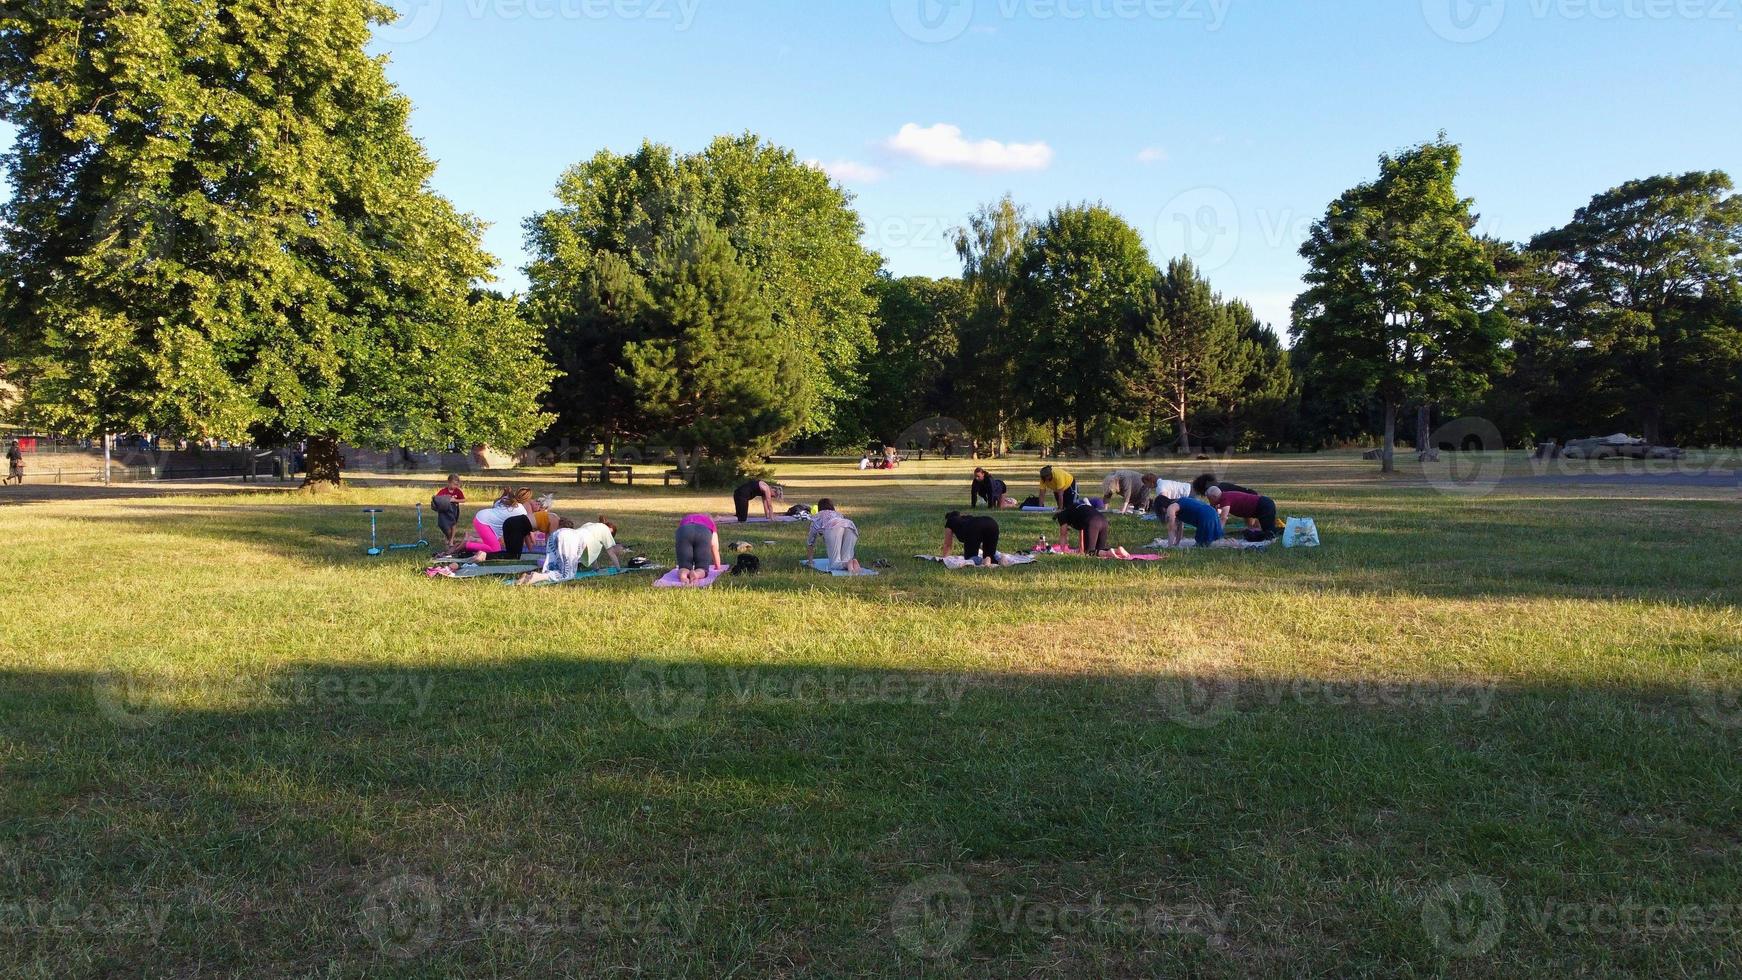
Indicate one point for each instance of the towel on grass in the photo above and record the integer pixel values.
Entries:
(1228, 544)
(823, 565)
(671, 581)
(777, 519)
(1056, 550)
(438, 570)
(954, 562)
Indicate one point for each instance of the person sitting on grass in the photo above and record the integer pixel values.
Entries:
(698, 548)
(571, 549)
(992, 490)
(446, 504)
(1093, 533)
(501, 530)
(1190, 510)
(1258, 511)
(979, 537)
(840, 538)
(1062, 484)
(767, 492)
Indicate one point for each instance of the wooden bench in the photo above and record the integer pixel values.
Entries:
(603, 473)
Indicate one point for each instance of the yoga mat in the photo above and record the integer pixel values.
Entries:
(954, 562)
(1055, 550)
(822, 565)
(670, 580)
(778, 519)
(594, 573)
(1038, 510)
(485, 571)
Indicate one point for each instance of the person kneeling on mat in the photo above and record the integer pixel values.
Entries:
(840, 538)
(1093, 533)
(572, 548)
(1190, 510)
(753, 490)
(1259, 512)
(500, 530)
(990, 489)
(979, 537)
(698, 548)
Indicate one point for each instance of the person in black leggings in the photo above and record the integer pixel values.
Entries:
(987, 488)
(979, 537)
(1094, 537)
(754, 489)
(515, 531)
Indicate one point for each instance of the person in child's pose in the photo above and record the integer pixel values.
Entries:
(446, 504)
(572, 548)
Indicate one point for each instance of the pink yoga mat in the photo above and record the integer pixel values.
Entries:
(671, 581)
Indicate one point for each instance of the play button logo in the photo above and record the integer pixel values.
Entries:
(932, 21)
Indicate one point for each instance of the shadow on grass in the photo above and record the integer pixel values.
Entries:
(681, 817)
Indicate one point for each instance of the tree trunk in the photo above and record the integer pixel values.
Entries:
(1424, 450)
(323, 462)
(1388, 453)
(1652, 423)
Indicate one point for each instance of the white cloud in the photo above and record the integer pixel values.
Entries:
(848, 171)
(944, 145)
(1152, 155)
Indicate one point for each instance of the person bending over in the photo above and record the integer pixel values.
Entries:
(1094, 536)
(1258, 511)
(1062, 484)
(1201, 486)
(1190, 510)
(571, 548)
(501, 530)
(1134, 488)
(840, 538)
(698, 548)
(979, 537)
(1160, 489)
(767, 492)
(990, 489)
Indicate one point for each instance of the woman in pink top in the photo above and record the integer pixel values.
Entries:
(698, 548)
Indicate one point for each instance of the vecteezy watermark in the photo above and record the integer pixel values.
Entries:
(933, 918)
(141, 699)
(1203, 701)
(70, 915)
(938, 21)
(1717, 702)
(418, 19)
(1470, 21)
(1201, 224)
(1465, 916)
(404, 916)
(1466, 457)
(672, 696)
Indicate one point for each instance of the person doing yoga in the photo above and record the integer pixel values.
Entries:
(767, 492)
(1094, 536)
(840, 538)
(698, 548)
(990, 489)
(571, 549)
(1062, 484)
(500, 530)
(1190, 510)
(979, 537)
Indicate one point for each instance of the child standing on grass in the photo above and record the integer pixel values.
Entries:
(446, 504)
(14, 463)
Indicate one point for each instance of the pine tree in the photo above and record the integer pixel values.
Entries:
(1186, 354)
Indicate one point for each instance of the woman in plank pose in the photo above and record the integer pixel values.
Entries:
(698, 548)
(979, 537)
(767, 492)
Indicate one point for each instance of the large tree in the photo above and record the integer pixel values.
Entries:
(991, 246)
(1186, 352)
(220, 226)
(1079, 296)
(1399, 291)
(909, 379)
(1646, 280)
(794, 231)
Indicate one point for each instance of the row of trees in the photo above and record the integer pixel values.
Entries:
(220, 227)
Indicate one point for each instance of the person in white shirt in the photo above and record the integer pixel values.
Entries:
(1163, 489)
(571, 549)
(501, 528)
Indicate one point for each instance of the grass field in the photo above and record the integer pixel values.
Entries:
(1472, 735)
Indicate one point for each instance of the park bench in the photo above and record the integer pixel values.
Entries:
(603, 473)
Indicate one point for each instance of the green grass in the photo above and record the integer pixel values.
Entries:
(1471, 736)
